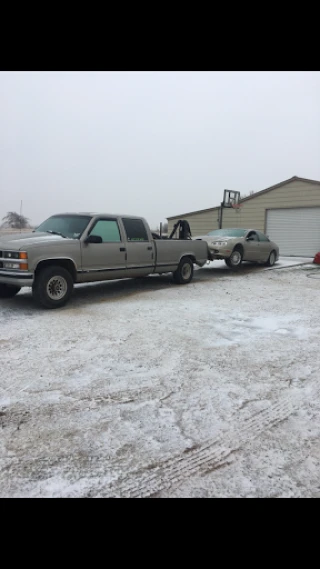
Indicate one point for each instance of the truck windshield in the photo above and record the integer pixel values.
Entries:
(71, 226)
(228, 233)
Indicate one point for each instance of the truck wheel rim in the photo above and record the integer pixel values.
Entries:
(186, 271)
(236, 258)
(57, 288)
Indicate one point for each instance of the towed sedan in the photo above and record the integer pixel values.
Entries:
(237, 245)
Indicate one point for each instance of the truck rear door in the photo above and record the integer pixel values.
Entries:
(139, 247)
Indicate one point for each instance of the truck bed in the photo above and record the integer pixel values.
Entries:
(168, 251)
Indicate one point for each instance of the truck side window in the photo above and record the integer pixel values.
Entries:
(107, 229)
(135, 229)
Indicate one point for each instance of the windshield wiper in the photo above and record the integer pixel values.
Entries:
(55, 233)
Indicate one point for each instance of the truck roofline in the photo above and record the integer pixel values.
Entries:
(96, 214)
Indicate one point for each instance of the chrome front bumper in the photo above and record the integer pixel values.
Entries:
(16, 278)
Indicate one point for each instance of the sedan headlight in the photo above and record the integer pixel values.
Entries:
(220, 243)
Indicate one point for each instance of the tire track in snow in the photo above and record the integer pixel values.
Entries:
(212, 455)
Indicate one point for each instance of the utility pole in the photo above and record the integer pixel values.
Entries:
(20, 214)
(220, 216)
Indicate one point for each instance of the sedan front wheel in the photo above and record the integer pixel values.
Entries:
(235, 259)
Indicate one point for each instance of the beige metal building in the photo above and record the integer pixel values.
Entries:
(288, 212)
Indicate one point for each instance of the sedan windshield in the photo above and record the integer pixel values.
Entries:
(228, 233)
(71, 226)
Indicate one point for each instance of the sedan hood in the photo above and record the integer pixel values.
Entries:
(211, 238)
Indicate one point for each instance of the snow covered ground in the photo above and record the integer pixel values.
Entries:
(282, 262)
(147, 389)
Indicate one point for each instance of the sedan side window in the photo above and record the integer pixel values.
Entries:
(263, 237)
(253, 236)
(108, 230)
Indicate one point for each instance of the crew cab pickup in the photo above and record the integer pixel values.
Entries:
(85, 247)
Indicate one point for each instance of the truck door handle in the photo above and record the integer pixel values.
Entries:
(123, 249)
(149, 248)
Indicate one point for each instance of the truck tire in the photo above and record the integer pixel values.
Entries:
(235, 259)
(8, 291)
(53, 287)
(184, 272)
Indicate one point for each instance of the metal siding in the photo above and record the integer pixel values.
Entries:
(296, 231)
(292, 194)
(200, 223)
(252, 214)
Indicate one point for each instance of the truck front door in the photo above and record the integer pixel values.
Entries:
(106, 260)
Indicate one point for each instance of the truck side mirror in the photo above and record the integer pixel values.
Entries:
(93, 239)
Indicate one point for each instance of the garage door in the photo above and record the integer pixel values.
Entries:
(296, 231)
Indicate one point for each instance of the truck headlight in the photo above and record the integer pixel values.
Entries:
(11, 265)
(18, 260)
(15, 255)
(11, 254)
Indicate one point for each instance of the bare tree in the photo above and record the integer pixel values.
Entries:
(15, 221)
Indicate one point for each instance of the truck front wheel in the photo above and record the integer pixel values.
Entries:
(8, 291)
(184, 272)
(53, 287)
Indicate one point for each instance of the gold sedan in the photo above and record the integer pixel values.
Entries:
(235, 245)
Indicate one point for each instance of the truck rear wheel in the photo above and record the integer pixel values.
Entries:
(8, 291)
(53, 287)
(184, 272)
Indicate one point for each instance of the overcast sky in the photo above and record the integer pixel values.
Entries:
(154, 144)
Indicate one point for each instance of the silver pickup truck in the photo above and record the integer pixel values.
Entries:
(78, 248)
